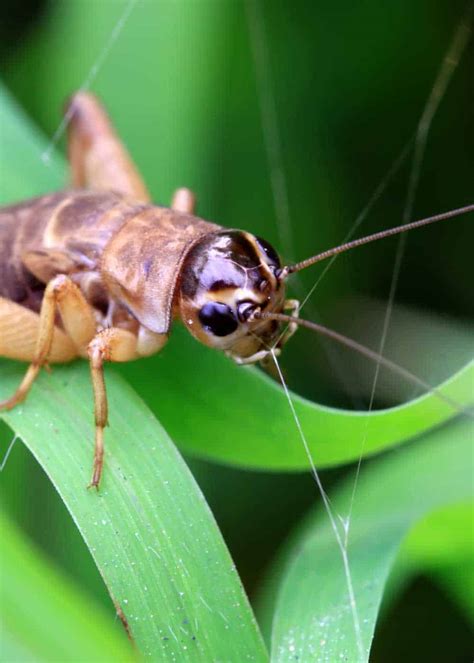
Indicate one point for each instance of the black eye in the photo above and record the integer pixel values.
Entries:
(218, 319)
(270, 252)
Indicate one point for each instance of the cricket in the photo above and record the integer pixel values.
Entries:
(99, 272)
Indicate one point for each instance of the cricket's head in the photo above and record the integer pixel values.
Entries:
(229, 278)
(232, 292)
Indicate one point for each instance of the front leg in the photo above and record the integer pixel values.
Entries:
(292, 306)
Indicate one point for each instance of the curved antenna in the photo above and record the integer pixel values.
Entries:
(290, 269)
(363, 350)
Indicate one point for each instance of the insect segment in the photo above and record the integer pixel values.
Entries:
(226, 278)
(118, 270)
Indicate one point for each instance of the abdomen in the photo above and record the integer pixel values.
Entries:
(16, 234)
(79, 223)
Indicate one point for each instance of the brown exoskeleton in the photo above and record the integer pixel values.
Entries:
(99, 272)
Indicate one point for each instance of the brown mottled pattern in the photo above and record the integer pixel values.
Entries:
(80, 223)
(18, 233)
(135, 250)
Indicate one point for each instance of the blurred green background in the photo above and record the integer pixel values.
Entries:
(349, 82)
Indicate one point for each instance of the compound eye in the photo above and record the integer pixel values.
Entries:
(218, 319)
(270, 252)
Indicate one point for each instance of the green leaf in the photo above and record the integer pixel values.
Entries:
(253, 410)
(34, 596)
(149, 529)
(440, 546)
(457, 581)
(24, 173)
(439, 538)
(307, 594)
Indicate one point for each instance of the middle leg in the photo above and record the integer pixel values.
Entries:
(184, 200)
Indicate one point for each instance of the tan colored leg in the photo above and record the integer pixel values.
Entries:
(292, 306)
(184, 200)
(79, 325)
(76, 313)
(111, 344)
(19, 333)
(149, 343)
(97, 157)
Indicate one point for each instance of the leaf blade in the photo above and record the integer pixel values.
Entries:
(312, 617)
(149, 529)
(250, 406)
(34, 596)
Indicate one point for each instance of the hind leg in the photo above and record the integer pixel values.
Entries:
(79, 324)
(19, 333)
(97, 157)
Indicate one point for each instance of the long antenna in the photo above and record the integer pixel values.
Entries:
(363, 350)
(290, 269)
